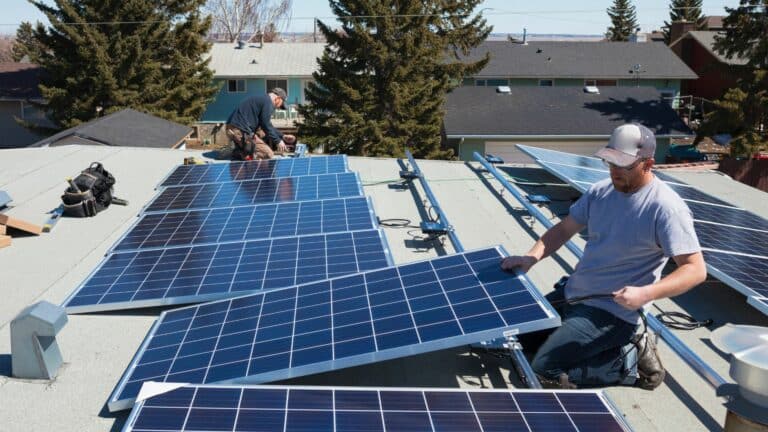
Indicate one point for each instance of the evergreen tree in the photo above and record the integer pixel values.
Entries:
(115, 54)
(683, 10)
(24, 46)
(623, 21)
(384, 75)
(743, 110)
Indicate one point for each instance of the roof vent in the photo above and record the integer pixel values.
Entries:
(591, 90)
(503, 89)
(240, 44)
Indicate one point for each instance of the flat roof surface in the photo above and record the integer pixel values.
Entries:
(97, 347)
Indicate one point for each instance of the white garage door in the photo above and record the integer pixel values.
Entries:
(507, 150)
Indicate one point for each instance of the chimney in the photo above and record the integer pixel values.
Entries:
(679, 29)
(261, 40)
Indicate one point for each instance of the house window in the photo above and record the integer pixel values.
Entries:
(283, 84)
(605, 83)
(236, 86)
(546, 83)
(497, 82)
(590, 83)
(480, 83)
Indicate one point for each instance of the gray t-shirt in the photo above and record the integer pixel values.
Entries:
(630, 238)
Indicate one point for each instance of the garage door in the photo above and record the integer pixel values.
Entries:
(507, 150)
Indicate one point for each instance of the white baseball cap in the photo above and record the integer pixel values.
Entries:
(628, 143)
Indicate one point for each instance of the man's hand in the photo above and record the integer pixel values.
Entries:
(281, 148)
(522, 263)
(632, 297)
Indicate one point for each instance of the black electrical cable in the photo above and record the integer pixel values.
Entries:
(680, 321)
(396, 223)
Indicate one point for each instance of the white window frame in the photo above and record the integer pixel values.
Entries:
(237, 82)
(270, 87)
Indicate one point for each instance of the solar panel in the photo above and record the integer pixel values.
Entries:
(558, 157)
(253, 170)
(360, 409)
(735, 241)
(348, 321)
(201, 273)
(162, 230)
(249, 192)
(759, 303)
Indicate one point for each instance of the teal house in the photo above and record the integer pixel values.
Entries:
(580, 64)
(247, 69)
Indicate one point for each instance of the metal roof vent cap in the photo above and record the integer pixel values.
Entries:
(504, 89)
(748, 398)
(591, 89)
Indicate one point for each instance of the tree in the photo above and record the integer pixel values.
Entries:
(25, 46)
(384, 75)
(743, 110)
(623, 21)
(235, 18)
(682, 10)
(106, 55)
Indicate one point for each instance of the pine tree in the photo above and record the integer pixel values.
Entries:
(384, 75)
(683, 10)
(743, 110)
(112, 54)
(24, 46)
(623, 21)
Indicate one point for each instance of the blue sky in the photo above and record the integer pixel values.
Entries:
(506, 16)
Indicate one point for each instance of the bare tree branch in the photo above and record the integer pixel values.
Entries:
(238, 18)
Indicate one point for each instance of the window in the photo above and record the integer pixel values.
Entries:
(590, 83)
(480, 83)
(283, 84)
(605, 83)
(236, 86)
(546, 83)
(497, 82)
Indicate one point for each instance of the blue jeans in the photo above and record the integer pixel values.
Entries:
(592, 346)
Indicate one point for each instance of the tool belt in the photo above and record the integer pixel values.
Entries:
(89, 193)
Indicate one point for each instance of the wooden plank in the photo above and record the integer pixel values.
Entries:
(20, 224)
(5, 241)
(2, 229)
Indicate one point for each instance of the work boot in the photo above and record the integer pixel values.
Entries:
(561, 383)
(649, 368)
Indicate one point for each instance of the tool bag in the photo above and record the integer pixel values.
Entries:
(89, 193)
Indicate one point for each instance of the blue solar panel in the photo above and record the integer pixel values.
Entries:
(727, 216)
(731, 239)
(691, 193)
(201, 273)
(358, 409)
(561, 158)
(162, 230)
(358, 319)
(249, 192)
(747, 274)
(254, 170)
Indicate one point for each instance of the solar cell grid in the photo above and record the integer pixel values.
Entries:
(347, 321)
(252, 170)
(745, 273)
(727, 216)
(249, 192)
(162, 230)
(561, 158)
(732, 239)
(202, 273)
(355, 409)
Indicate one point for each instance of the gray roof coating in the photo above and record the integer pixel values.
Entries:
(707, 40)
(278, 60)
(125, 128)
(582, 60)
(97, 347)
(557, 111)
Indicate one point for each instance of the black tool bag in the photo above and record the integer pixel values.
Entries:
(89, 193)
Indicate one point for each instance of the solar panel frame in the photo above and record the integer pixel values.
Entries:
(251, 192)
(741, 281)
(373, 408)
(759, 303)
(119, 401)
(228, 226)
(72, 306)
(286, 167)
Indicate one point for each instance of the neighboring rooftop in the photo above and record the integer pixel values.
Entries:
(97, 347)
(19, 81)
(707, 40)
(265, 60)
(557, 111)
(588, 60)
(125, 128)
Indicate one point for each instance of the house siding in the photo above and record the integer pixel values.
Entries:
(224, 102)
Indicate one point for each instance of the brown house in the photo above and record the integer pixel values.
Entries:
(696, 48)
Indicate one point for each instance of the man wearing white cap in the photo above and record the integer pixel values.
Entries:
(635, 223)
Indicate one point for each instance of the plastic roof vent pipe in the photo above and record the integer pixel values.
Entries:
(591, 90)
(504, 89)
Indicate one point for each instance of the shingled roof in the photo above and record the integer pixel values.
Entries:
(126, 128)
(590, 60)
(19, 80)
(557, 111)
